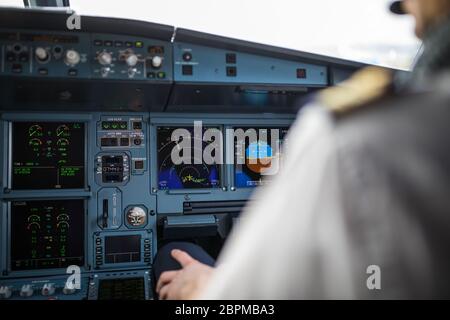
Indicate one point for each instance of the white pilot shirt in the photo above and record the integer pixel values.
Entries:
(330, 216)
(290, 242)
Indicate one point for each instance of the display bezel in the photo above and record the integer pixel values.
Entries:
(52, 271)
(222, 173)
(233, 143)
(144, 234)
(39, 120)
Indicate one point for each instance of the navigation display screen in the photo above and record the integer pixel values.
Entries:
(47, 234)
(193, 175)
(48, 155)
(257, 160)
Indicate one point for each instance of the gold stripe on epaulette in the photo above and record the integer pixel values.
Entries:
(363, 87)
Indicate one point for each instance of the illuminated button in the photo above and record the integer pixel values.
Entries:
(48, 289)
(26, 290)
(139, 44)
(128, 44)
(161, 75)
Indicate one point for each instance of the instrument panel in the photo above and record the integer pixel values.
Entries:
(85, 56)
(69, 198)
(125, 135)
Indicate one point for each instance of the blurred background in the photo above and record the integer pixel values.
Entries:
(360, 30)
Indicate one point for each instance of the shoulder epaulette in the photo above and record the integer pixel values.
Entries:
(365, 86)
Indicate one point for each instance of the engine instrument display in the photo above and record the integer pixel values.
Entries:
(47, 234)
(48, 155)
(197, 173)
(257, 160)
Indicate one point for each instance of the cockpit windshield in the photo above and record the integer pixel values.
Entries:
(356, 30)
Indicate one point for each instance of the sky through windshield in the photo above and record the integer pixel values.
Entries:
(360, 30)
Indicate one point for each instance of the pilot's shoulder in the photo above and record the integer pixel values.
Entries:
(365, 86)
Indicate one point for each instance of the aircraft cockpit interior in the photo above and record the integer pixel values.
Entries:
(119, 136)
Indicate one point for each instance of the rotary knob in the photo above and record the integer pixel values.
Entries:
(72, 57)
(69, 289)
(48, 289)
(157, 62)
(26, 290)
(131, 60)
(41, 54)
(104, 58)
(5, 292)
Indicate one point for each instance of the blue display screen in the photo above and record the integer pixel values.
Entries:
(260, 159)
(194, 175)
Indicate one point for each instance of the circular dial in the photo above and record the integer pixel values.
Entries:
(41, 54)
(136, 217)
(62, 131)
(131, 60)
(35, 131)
(72, 57)
(104, 58)
(157, 62)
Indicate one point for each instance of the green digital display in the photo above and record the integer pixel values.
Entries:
(48, 155)
(47, 234)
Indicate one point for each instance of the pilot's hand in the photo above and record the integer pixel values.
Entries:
(186, 283)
